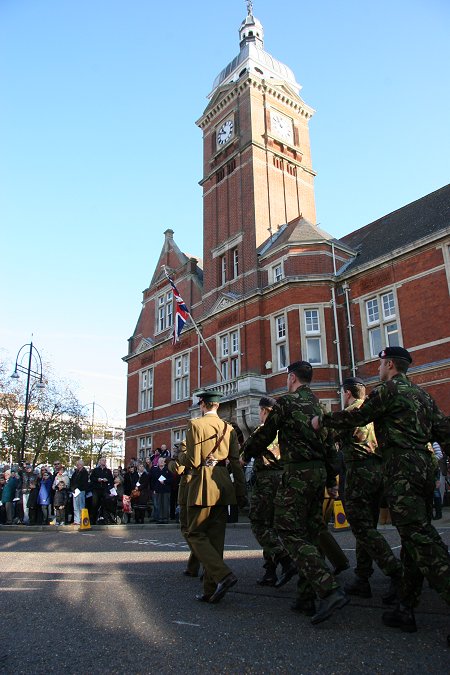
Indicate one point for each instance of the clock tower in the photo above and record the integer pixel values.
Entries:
(257, 172)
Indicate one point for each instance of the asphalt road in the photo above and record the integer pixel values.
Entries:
(115, 601)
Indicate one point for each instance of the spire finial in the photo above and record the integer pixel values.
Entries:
(249, 8)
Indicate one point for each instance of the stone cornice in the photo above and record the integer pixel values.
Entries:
(278, 90)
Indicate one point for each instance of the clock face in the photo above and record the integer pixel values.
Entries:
(282, 126)
(225, 132)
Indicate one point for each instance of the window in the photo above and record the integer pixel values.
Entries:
(181, 377)
(145, 446)
(229, 354)
(382, 328)
(235, 255)
(280, 342)
(277, 273)
(146, 389)
(178, 436)
(165, 311)
(223, 269)
(313, 344)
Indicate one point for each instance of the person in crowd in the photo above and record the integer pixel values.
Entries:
(406, 420)
(45, 496)
(129, 483)
(79, 482)
(164, 451)
(140, 494)
(9, 494)
(2, 506)
(161, 480)
(298, 520)
(210, 443)
(59, 474)
(27, 476)
(60, 502)
(32, 502)
(102, 481)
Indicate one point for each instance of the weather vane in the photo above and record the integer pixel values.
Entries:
(249, 7)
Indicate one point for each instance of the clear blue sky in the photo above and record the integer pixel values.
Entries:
(99, 152)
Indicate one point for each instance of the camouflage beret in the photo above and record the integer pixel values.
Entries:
(395, 353)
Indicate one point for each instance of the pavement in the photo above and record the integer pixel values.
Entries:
(114, 600)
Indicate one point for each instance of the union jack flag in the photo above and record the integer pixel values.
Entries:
(181, 312)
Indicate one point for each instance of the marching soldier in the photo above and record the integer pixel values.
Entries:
(268, 469)
(406, 418)
(363, 491)
(210, 444)
(298, 505)
(193, 564)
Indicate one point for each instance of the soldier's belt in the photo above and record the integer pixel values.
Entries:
(311, 464)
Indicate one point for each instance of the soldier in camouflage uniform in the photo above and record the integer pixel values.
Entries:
(406, 418)
(363, 490)
(268, 469)
(298, 505)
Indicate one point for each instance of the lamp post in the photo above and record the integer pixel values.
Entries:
(35, 373)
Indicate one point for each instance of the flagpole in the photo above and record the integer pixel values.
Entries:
(198, 332)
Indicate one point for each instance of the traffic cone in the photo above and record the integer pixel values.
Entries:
(85, 523)
(340, 520)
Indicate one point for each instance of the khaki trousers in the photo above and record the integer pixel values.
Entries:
(206, 537)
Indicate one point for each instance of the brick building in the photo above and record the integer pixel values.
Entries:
(273, 287)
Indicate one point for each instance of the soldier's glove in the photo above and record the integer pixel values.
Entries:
(242, 502)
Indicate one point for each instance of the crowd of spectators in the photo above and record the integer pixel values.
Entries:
(45, 495)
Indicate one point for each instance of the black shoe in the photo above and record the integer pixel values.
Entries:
(307, 607)
(401, 617)
(203, 598)
(341, 568)
(288, 572)
(187, 573)
(359, 587)
(336, 600)
(269, 579)
(392, 596)
(223, 587)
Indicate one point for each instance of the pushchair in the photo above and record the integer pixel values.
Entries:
(107, 513)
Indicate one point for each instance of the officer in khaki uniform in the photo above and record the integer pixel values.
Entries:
(210, 443)
(193, 564)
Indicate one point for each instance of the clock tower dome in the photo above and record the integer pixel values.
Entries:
(257, 172)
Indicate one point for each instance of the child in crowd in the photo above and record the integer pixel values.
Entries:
(60, 502)
(45, 496)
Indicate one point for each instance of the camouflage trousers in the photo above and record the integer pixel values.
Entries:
(409, 486)
(262, 511)
(363, 491)
(298, 522)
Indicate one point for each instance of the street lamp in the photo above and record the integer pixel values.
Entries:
(30, 373)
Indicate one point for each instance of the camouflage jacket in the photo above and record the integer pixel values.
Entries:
(291, 418)
(269, 459)
(404, 415)
(359, 443)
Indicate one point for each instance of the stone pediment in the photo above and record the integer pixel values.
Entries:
(145, 343)
(225, 300)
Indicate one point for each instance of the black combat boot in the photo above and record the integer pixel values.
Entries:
(289, 569)
(392, 596)
(401, 617)
(307, 607)
(270, 577)
(359, 587)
